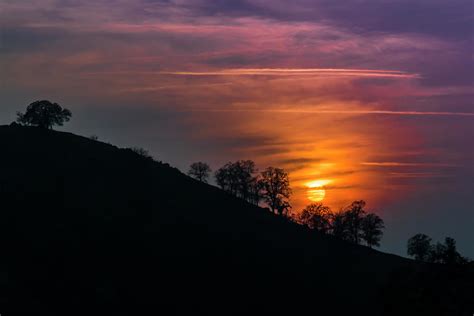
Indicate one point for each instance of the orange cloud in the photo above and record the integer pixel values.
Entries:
(299, 72)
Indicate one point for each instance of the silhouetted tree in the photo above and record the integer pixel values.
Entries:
(354, 215)
(451, 255)
(437, 253)
(200, 171)
(44, 114)
(238, 179)
(446, 253)
(354, 224)
(419, 247)
(255, 191)
(316, 216)
(225, 179)
(244, 172)
(276, 190)
(372, 229)
(283, 208)
(142, 152)
(339, 227)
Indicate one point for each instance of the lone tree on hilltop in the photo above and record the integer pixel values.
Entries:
(200, 171)
(44, 114)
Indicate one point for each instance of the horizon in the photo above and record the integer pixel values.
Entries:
(376, 107)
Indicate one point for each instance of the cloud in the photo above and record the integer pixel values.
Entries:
(418, 175)
(406, 164)
(342, 112)
(299, 72)
(287, 161)
(423, 16)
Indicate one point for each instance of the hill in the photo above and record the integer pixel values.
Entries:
(86, 227)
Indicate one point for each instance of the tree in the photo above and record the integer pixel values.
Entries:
(142, 152)
(446, 253)
(354, 215)
(419, 247)
(339, 227)
(276, 190)
(255, 191)
(238, 179)
(316, 216)
(44, 114)
(225, 179)
(371, 227)
(354, 224)
(200, 171)
(244, 171)
(451, 255)
(437, 253)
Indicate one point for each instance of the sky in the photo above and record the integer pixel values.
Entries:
(356, 99)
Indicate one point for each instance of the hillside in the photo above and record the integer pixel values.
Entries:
(88, 227)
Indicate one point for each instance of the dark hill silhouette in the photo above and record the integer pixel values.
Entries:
(87, 227)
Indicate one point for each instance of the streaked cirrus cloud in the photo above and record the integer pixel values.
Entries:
(299, 72)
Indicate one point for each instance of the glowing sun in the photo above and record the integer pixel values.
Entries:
(316, 191)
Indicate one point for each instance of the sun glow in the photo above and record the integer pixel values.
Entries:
(316, 191)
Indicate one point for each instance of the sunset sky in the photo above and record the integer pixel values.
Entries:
(357, 99)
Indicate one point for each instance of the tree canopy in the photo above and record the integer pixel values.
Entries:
(238, 178)
(353, 223)
(316, 216)
(44, 114)
(276, 191)
(354, 215)
(200, 171)
(141, 152)
(419, 246)
(372, 229)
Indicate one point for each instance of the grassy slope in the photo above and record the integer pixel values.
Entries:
(86, 226)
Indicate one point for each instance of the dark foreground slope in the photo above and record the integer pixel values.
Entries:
(86, 227)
